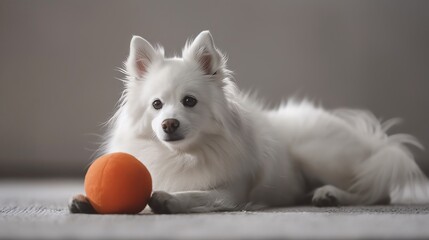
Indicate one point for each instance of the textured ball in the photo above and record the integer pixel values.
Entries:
(118, 183)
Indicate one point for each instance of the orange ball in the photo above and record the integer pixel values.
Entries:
(118, 183)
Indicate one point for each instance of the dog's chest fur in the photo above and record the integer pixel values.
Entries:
(174, 171)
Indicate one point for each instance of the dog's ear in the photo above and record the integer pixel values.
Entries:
(142, 55)
(203, 51)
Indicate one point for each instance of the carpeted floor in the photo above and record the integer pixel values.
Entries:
(38, 210)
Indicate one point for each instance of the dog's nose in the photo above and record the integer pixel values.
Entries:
(170, 125)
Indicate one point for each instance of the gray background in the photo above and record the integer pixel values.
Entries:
(58, 60)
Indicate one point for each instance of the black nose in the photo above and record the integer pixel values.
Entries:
(170, 125)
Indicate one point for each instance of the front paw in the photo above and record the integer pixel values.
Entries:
(80, 204)
(164, 203)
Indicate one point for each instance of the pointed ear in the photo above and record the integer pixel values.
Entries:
(203, 51)
(142, 55)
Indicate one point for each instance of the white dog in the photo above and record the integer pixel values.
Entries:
(211, 148)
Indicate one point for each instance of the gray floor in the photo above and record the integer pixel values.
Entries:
(37, 210)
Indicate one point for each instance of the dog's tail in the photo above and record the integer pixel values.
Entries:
(391, 169)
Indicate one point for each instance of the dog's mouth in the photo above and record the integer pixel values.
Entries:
(173, 138)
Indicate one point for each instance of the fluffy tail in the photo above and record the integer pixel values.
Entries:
(391, 169)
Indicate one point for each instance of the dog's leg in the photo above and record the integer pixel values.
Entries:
(193, 202)
(80, 204)
(329, 195)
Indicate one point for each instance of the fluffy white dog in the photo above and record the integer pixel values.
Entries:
(211, 148)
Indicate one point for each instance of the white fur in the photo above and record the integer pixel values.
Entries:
(237, 154)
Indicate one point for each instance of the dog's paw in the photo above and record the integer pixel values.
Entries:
(164, 203)
(80, 204)
(325, 197)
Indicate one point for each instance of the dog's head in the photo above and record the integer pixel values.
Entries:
(175, 100)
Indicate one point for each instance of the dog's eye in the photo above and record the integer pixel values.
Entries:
(189, 101)
(157, 104)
